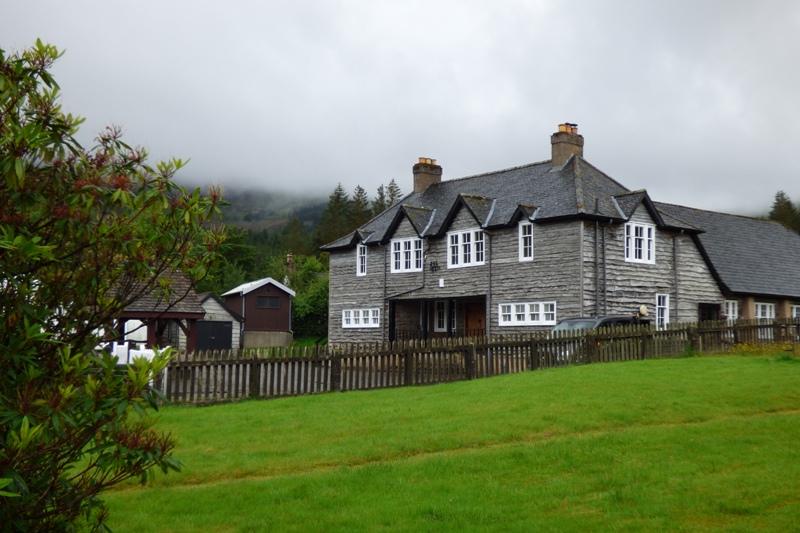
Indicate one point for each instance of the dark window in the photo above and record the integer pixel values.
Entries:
(268, 302)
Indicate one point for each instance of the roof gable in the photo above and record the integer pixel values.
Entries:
(253, 285)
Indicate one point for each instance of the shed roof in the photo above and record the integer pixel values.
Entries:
(253, 285)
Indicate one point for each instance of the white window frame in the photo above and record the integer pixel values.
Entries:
(640, 243)
(527, 314)
(406, 255)
(796, 311)
(765, 311)
(361, 260)
(368, 317)
(442, 316)
(466, 248)
(526, 241)
(731, 310)
(662, 310)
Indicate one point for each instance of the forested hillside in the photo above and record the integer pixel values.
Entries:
(278, 235)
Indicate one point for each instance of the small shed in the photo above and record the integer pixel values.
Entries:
(159, 315)
(221, 328)
(266, 307)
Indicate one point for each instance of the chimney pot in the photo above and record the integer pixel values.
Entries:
(566, 142)
(426, 172)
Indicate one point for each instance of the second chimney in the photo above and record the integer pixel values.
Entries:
(425, 173)
(566, 142)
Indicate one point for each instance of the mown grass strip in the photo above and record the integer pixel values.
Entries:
(690, 444)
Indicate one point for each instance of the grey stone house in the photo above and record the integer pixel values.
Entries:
(516, 250)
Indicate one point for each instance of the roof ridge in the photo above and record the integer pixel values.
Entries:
(749, 217)
(491, 172)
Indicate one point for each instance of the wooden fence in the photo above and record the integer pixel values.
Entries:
(212, 377)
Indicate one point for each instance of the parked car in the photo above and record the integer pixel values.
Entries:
(595, 322)
(570, 351)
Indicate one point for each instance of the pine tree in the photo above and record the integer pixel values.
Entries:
(393, 194)
(334, 220)
(360, 212)
(785, 212)
(379, 204)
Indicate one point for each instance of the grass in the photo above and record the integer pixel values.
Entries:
(692, 444)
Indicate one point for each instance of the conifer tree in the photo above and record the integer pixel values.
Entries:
(379, 204)
(785, 212)
(360, 212)
(334, 220)
(393, 193)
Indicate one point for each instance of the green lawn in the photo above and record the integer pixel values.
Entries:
(697, 444)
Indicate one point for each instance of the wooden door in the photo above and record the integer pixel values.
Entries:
(475, 318)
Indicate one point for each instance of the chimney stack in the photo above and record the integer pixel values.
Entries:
(566, 142)
(425, 173)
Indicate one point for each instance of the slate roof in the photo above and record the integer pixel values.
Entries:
(244, 288)
(182, 300)
(497, 199)
(747, 255)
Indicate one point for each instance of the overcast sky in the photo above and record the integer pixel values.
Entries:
(695, 101)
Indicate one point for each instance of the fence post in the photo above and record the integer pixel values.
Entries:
(470, 361)
(408, 365)
(644, 342)
(336, 372)
(534, 363)
(255, 377)
(591, 349)
(694, 340)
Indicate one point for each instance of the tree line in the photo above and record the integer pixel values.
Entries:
(291, 255)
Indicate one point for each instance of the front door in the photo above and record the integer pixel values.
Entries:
(475, 318)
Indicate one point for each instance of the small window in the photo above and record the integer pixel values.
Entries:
(527, 314)
(525, 241)
(796, 311)
(640, 243)
(361, 318)
(662, 310)
(731, 310)
(466, 248)
(407, 255)
(361, 260)
(765, 311)
(268, 302)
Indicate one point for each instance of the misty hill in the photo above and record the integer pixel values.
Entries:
(257, 209)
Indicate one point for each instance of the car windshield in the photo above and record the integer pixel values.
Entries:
(571, 325)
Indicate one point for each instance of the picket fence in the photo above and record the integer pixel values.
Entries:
(221, 376)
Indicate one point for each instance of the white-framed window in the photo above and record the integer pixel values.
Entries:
(731, 310)
(527, 314)
(525, 241)
(443, 316)
(796, 311)
(662, 310)
(640, 243)
(407, 255)
(765, 310)
(361, 318)
(361, 260)
(465, 248)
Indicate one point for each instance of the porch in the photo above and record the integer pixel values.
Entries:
(425, 319)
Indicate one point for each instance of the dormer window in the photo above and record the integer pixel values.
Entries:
(465, 248)
(406, 255)
(640, 243)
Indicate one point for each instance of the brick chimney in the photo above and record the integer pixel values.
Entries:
(566, 142)
(425, 173)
